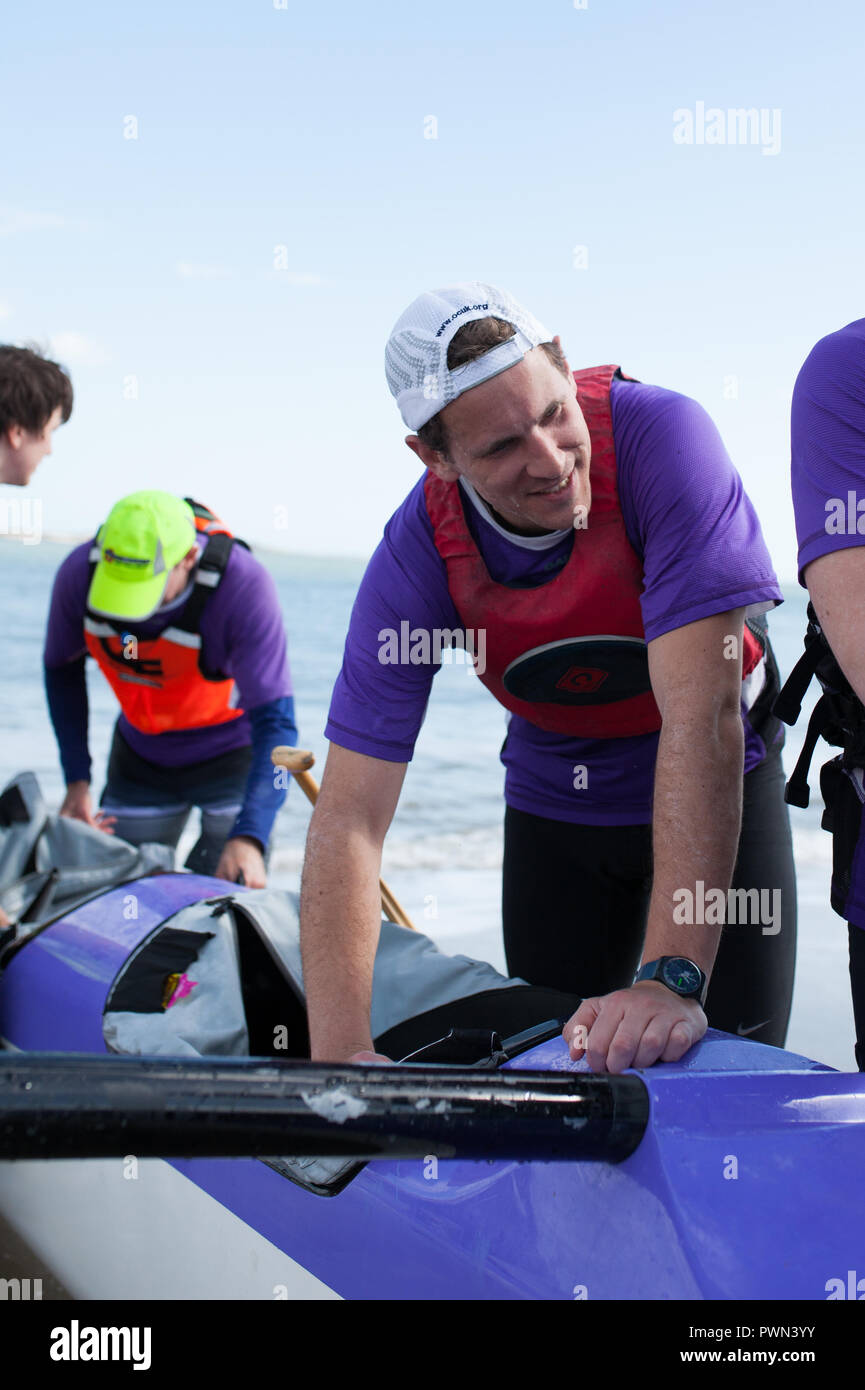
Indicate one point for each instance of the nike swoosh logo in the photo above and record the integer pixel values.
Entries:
(743, 1032)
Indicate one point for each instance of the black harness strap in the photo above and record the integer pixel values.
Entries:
(208, 577)
(788, 705)
(838, 717)
(797, 791)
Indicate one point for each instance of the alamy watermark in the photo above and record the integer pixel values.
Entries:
(20, 1290)
(852, 1287)
(737, 125)
(21, 518)
(77, 1343)
(421, 646)
(845, 516)
(714, 907)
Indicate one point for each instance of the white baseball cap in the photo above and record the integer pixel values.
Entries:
(415, 358)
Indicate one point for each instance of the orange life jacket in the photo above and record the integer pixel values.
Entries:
(163, 683)
(568, 655)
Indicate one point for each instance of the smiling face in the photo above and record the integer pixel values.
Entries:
(21, 451)
(522, 442)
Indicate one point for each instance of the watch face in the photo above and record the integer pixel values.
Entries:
(682, 975)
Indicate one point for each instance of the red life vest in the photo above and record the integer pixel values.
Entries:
(569, 655)
(163, 683)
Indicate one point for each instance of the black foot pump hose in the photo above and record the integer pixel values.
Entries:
(62, 1105)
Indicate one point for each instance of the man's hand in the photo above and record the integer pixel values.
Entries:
(77, 805)
(4, 920)
(634, 1027)
(242, 854)
(372, 1057)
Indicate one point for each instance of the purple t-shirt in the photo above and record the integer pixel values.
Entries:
(686, 515)
(241, 632)
(828, 480)
(827, 428)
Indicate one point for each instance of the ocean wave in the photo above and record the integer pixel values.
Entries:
(480, 848)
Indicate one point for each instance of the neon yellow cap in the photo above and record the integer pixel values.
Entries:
(145, 536)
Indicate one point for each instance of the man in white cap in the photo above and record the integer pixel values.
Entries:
(588, 539)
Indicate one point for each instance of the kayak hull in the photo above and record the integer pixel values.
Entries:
(745, 1185)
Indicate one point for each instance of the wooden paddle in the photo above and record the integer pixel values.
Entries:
(298, 761)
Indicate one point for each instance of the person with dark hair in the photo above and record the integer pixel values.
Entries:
(586, 538)
(35, 398)
(827, 430)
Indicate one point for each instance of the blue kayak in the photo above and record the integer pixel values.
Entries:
(741, 1179)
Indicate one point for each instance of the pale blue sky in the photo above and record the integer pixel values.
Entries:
(303, 127)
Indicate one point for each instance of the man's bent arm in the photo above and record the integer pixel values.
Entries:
(66, 692)
(340, 903)
(273, 724)
(697, 808)
(695, 824)
(836, 583)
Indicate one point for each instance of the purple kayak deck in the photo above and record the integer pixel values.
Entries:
(734, 1193)
(69, 967)
(746, 1185)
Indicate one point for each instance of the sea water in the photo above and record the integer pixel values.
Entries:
(443, 853)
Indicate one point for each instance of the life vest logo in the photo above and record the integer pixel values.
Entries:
(582, 680)
(148, 670)
(112, 557)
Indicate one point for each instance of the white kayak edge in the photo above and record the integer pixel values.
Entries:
(138, 1229)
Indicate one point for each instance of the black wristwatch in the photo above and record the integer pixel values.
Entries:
(684, 977)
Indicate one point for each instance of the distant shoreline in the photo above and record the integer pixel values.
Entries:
(786, 582)
(55, 538)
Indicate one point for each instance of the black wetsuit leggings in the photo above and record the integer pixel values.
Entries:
(575, 900)
(856, 938)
